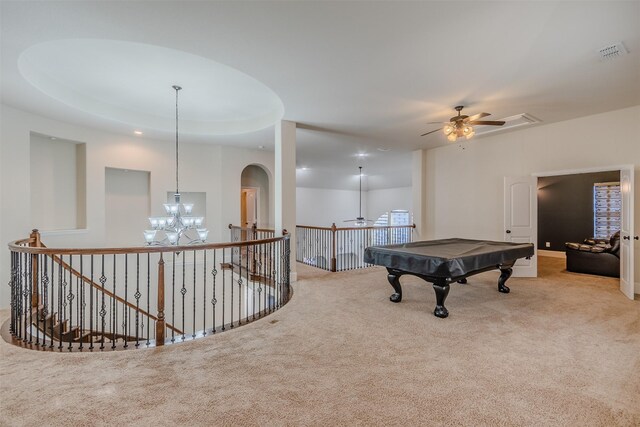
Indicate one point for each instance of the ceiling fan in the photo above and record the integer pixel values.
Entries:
(360, 221)
(461, 125)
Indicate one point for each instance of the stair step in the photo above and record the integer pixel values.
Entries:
(71, 334)
(56, 327)
(85, 337)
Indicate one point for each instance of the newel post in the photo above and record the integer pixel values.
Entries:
(333, 247)
(34, 243)
(160, 326)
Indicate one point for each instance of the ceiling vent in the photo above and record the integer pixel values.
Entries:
(512, 122)
(612, 51)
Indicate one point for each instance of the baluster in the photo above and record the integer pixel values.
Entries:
(249, 276)
(240, 284)
(204, 293)
(193, 333)
(214, 273)
(231, 286)
(173, 297)
(183, 290)
(224, 300)
(91, 306)
(114, 307)
(81, 302)
(137, 296)
(103, 307)
(160, 324)
(149, 297)
(125, 318)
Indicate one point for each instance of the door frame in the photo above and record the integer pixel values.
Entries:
(578, 171)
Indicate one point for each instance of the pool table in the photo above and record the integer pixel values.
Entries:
(444, 261)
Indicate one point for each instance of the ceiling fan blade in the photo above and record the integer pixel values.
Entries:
(425, 134)
(487, 122)
(476, 117)
(437, 123)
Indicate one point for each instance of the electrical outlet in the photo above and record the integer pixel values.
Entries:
(547, 244)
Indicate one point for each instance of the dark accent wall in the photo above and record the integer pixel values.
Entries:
(565, 207)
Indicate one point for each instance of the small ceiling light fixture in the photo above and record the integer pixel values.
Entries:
(137, 132)
(53, 138)
(178, 220)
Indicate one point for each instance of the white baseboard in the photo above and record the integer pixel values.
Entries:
(552, 254)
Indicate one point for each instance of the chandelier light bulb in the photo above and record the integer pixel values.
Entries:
(452, 137)
(172, 236)
(149, 236)
(188, 208)
(203, 233)
(448, 129)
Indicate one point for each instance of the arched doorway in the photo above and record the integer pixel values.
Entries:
(254, 196)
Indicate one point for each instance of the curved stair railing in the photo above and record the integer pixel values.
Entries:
(104, 298)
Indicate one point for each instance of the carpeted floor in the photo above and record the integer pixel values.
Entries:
(563, 349)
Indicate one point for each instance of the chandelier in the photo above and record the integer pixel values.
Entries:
(178, 223)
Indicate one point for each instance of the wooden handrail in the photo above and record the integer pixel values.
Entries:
(237, 227)
(17, 246)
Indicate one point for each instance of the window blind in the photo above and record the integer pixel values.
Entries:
(607, 204)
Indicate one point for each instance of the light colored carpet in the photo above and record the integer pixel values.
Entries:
(563, 349)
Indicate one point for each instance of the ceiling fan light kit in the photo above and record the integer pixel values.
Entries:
(462, 126)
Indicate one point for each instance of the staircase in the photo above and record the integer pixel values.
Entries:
(58, 330)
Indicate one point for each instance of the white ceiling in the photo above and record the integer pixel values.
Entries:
(356, 76)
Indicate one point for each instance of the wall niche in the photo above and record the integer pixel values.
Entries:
(57, 183)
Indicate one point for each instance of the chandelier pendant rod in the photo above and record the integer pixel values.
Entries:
(177, 88)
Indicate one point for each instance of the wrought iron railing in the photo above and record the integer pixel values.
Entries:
(241, 234)
(338, 249)
(112, 298)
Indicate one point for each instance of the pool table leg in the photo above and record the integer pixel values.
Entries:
(505, 273)
(394, 279)
(442, 290)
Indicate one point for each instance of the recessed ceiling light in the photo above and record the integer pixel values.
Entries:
(53, 138)
(383, 149)
(137, 132)
(303, 168)
(361, 155)
(261, 147)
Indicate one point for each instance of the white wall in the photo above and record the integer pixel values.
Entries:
(322, 207)
(464, 188)
(385, 200)
(208, 168)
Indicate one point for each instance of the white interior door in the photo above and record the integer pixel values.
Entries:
(626, 233)
(251, 206)
(520, 219)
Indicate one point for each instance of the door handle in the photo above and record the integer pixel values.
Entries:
(635, 238)
(626, 238)
(508, 231)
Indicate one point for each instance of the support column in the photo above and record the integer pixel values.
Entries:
(419, 193)
(285, 185)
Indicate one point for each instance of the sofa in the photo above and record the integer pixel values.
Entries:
(595, 256)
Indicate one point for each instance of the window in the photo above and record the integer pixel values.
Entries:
(607, 203)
